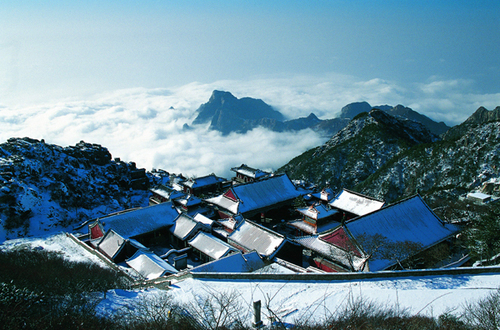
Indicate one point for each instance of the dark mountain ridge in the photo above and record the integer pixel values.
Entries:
(355, 152)
(389, 158)
(466, 158)
(353, 109)
(228, 114)
(479, 117)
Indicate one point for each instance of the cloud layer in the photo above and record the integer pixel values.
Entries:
(147, 125)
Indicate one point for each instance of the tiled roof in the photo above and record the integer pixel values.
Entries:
(340, 238)
(355, 203)
(203, 219)
(251, 236)
(330, 251)
(167, 192)
(250, 172)
(210, 245)
(318, 212)
(149, 265)
(257, 195)
(140, 221)
(185, 226)
(234, 263)
(325, 195)
(189, 200)
(203, 181)
(312, 230)
(111, 243)
(408, 220)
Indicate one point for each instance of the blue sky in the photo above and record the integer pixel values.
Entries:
(69, 48)
(440, 58)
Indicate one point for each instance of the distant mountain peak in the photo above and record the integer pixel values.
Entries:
(353, 109)
(221, 96)
(226, 113)
(312, 116)
(483, 115)
(480, 117)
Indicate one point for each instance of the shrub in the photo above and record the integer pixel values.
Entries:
(484, 314)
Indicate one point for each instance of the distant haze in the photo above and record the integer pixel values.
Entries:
(108, 72)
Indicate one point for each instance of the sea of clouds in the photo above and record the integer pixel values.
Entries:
(147, 125)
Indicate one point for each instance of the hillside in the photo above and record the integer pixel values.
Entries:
(379, 159)
(467, 157)
(361, 148)
(44, 186)
(479, 117)
(353, 109)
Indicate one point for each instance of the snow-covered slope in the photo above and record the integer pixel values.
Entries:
(367, 143)
(46, 188)
(451, 167)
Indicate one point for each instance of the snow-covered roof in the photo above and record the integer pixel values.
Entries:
(479, 196)
(274, 268)
(221, 232)
(251, 236)
(318, 211)
(325, 195)
(168, 192)
(225, 203)
(249, 171)
(233, 263)
(149, 265)
(303, 226)
(188, 200)
(312, 230)
(111, 244)
(141, 221)
(161, 192)
(257, 195)
(203, 219)
(204, 181)
(408, 220)
(210, 245)
(330, 251)
(355, 203)
(185, 226)
(228, 223)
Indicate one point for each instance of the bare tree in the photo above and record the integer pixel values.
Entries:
(401, 251)
(371, 246)
(153, 312)
(377, 246)
(218, 310)
(484, 314)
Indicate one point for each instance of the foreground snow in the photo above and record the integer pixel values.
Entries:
(316, 301)
(60, 243)
(292, 301)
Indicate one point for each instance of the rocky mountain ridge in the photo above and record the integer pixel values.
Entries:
(389, 158)
(228, 114)
(353, 109)
(446, 168)
(355, 152)
(44, 185)
(479, 117)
